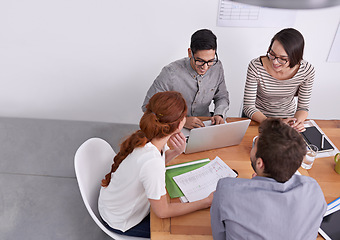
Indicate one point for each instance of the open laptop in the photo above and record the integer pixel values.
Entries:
(215, 136)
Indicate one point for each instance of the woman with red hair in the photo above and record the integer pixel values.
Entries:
(137, 176)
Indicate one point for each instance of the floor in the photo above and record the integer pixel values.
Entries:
(39, 195)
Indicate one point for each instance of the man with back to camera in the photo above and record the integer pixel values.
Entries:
(200, 79)
(275, 203)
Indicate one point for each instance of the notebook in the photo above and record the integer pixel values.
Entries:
(215, 136)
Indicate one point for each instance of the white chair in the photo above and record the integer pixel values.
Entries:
(92, 161)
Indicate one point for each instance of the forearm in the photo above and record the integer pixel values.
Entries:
(170, 155)
(221, 110)
(258, 117)
(301, 115)
(177, 209)
(221, 100)
(249, 99)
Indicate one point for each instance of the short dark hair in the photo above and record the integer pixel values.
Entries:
(292, 42)
(281, 148)
(203, 39)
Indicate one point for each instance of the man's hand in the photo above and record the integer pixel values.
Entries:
(193, 122)
(217, 119)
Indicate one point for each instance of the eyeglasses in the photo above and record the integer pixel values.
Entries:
(201, 62)
(254, 140)
(279, 59)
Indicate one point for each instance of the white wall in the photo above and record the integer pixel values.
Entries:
(94, 60)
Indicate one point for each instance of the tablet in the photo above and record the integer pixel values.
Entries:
(313, 136)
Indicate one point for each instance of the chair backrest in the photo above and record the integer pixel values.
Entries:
(92, 161)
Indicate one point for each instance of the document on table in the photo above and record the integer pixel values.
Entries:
(199, 183)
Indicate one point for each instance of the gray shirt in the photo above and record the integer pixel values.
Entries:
(261, 208)
(198, 91)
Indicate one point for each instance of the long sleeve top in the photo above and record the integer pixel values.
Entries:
(197, 90)
(274, 97)
(262, 208)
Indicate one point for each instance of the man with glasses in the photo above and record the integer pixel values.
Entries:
(276, 203)
(200, 79)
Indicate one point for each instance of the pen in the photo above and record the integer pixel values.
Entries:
(322, 140)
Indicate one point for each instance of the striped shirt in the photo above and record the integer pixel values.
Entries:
(273, 97)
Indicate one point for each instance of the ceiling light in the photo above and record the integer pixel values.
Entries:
(291, 4)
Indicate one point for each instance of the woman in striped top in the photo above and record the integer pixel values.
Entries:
(275, 79)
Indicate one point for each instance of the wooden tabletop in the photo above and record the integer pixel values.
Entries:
(196, 225)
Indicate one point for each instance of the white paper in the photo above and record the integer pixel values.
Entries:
(199, 183)
(231, 14)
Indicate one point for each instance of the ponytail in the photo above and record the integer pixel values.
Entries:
(163, 114)
(137, 139)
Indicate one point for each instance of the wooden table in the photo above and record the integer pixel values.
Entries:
(197, 225)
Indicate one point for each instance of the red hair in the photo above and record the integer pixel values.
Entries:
(163, 114)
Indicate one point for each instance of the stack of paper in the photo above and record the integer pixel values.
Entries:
(175, 170)
(199, 183)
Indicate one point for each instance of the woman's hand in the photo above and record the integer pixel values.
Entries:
(177, 143)
(295, 123)
(210, 199)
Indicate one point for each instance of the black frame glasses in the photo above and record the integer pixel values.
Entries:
(201, 63)
(254, 140)
(279, 59)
